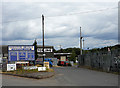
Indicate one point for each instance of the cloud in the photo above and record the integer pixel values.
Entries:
(60, 26)
(61, 1)
(95, 43)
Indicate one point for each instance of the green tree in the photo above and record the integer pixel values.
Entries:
(54, 50)
(35, 44)
(73, 56)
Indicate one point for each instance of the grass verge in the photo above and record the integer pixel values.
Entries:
(21, 71)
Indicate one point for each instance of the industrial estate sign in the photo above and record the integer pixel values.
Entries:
(21, 52)
(25, 47)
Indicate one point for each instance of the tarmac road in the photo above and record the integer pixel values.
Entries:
(66, 76)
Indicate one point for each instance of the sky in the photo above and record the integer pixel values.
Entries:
(22, 23)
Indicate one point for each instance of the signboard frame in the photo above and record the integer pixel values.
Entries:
(29, 50)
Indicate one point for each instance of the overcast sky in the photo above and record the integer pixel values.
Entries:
(62, 23)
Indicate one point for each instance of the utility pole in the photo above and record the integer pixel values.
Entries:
(80, 57)
(83, 43)
(60, 48)
(43, 36)
(80, 42)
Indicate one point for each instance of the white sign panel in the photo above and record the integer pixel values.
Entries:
(45, 50)
(20, 62)
(11, 67)
(27, 47)
(30, 67)
(41, 68)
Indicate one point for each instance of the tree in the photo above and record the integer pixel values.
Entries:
(35, 45)
(54, 50)
(73, 56)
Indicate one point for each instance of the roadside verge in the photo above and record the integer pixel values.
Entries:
(36, 75)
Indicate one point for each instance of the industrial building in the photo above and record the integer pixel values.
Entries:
(48, 50)
(63, 58)
(26, 54)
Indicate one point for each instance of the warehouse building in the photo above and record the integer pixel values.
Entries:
(48, 50)
(63, 58)
(19, 54)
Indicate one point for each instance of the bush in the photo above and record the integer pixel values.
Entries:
(69, 64)
(49, 70)
(38, 65)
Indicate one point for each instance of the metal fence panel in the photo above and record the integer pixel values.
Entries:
(105, 60)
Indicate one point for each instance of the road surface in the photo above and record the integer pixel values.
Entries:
(66, 76)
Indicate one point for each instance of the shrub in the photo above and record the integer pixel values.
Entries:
(69, 64)
(38, 65)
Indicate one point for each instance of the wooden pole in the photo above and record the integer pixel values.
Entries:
(43, 36)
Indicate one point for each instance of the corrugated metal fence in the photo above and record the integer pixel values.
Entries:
(107, 61)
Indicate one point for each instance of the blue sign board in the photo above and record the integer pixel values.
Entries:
(21, 53)
(13, 56)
